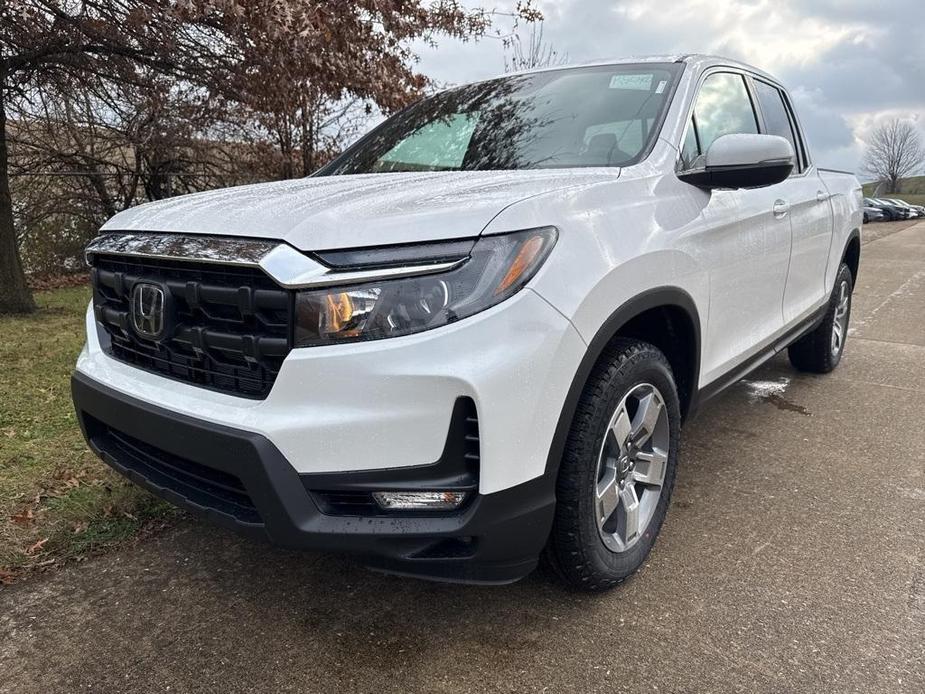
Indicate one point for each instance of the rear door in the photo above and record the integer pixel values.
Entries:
(747, 260)
(808, 208)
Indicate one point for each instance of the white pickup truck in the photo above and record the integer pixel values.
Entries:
(472, 339)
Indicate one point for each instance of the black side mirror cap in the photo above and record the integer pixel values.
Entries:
(746, 176)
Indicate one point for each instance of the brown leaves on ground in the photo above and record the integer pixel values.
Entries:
(37, 547)
(24, 517)
(38, 524)
(73, 279)
(66, 479)
(58, 502)
(80, 527)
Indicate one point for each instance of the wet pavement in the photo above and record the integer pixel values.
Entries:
(793, 559)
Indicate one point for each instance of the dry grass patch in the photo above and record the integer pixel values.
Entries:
(57, 500)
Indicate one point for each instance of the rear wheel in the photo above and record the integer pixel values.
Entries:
(822, 349)
(618, 468)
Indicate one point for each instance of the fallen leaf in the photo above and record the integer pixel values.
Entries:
(80, 527)
(37, 547)
(6, 577)
(23, 517)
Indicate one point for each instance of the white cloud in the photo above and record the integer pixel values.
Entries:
(848, 63)
(771, 33)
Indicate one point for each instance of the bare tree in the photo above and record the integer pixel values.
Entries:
(81, 153)
(136, 72)
(535, 52)
(894, 151)
(46, 41)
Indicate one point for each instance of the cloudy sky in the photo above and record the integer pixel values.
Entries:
(849, 64)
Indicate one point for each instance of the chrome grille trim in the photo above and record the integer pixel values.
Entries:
(281, 262)
(203, 249)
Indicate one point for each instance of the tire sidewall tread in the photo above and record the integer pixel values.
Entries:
(812, 353)
(576, 551)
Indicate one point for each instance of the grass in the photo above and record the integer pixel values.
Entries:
(913, 198)
(58, 502)
(914, 185)
(913, 190)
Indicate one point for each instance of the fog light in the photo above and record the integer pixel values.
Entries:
(433, 501)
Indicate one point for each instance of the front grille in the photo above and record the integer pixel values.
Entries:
(229, 330)
(202, 486)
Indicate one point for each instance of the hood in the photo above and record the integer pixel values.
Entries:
(330, 212)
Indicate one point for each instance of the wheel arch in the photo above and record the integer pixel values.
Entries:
(851, 255)
(679, 338)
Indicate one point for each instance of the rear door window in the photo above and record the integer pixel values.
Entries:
(777, 119)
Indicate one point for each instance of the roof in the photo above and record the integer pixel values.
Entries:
(696, 60)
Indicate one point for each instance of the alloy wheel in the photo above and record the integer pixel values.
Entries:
(840, 324)
(631, 467)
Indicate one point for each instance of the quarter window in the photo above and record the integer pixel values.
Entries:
(690, 150)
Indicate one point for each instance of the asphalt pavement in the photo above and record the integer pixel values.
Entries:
(793, 559)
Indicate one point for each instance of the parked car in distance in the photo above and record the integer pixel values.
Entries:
(892, 211)
(873, 214)
(913, 212)
(472, 338)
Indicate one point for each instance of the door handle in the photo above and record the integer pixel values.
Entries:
(822, 197)
(780, 209)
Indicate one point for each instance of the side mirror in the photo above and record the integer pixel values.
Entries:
(743, 161)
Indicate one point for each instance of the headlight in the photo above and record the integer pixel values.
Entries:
(496, 268)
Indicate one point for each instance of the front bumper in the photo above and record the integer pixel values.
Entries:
(240, 480)
(387, 403)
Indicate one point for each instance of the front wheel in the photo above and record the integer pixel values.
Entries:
(821, 350)
(618, 469)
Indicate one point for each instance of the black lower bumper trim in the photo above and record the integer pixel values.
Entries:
(239, 479)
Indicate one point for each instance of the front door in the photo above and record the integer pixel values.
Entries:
(747, 260)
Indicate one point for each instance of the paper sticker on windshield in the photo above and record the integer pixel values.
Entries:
(661, 86)
(632, 81)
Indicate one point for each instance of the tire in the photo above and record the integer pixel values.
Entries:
(821, 350)
(631, 377)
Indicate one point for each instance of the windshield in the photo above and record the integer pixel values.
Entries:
(578, 117)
